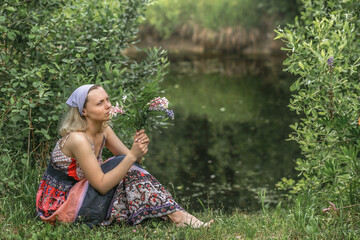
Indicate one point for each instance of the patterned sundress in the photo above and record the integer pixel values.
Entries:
(64, 195)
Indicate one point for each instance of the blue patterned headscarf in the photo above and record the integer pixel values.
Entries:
(78, 97)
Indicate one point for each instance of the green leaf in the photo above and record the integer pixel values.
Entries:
(11, 9)
(41, 92)
(91, 56)
(301, 65)
(23, 113)
(295, 86)
(11, 35)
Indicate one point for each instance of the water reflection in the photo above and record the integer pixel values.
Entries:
(228, 139)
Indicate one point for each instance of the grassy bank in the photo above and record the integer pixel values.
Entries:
(272, 224)
(301, 220)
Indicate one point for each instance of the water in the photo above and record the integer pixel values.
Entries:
(227, 143)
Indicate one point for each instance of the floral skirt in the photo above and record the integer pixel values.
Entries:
(137, 197)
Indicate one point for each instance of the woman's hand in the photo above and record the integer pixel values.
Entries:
(141, 137)
(140, 145)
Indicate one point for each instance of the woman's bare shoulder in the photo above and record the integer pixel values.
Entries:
(77, 139)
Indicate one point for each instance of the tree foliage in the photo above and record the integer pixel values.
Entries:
(323, 48)
(50, 47)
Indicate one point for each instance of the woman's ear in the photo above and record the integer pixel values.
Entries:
(84, 113)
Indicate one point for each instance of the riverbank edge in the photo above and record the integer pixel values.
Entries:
(201, 41)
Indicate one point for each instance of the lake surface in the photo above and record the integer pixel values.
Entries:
(228, 140)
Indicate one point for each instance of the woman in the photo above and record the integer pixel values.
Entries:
(78, 187)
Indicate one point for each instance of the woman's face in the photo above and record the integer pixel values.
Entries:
(98, 105)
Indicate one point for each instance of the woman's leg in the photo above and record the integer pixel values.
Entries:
(141, 196)
(182, 219)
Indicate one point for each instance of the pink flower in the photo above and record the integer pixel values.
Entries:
(159, 104)
(115, 110)
(331, 209)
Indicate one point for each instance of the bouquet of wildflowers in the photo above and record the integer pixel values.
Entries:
(161, 104)
(146, 111)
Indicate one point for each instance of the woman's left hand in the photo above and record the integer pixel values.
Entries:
(141, 137)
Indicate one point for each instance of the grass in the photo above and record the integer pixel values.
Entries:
(296, 222)
(302, 219)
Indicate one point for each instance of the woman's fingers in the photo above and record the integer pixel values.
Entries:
(139, 149)
(140, 131)
(142, 140)
(146, 148)
(142, 137)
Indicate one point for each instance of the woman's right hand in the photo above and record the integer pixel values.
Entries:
(140, 145)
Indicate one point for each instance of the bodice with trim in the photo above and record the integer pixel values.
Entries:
(67, 164)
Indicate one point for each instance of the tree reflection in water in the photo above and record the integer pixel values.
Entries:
(228, 138)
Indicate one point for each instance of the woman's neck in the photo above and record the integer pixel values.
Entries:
(94, 128)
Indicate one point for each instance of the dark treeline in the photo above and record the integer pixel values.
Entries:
(224, 25)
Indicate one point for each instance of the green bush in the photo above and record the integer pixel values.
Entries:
(47, 49)
(324, 52)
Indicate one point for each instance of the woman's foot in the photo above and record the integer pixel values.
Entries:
(183, 219)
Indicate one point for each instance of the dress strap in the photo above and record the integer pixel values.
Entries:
(63, 140)
(102, 146)
(91, 143)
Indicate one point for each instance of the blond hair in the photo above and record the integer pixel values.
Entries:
(74, 122)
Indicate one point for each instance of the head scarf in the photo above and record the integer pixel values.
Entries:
(78, 97)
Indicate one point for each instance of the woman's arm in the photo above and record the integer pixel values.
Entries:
(80, 147)
(116, 146)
